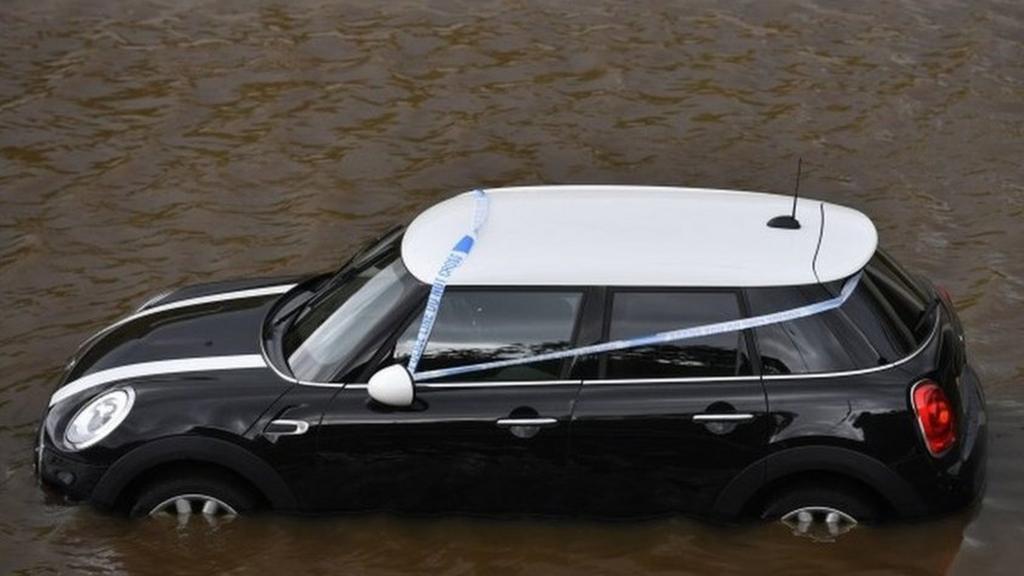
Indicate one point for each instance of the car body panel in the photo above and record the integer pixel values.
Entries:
(175, 403)
(452, 451)
(221, 328)
(636, 447)
(239, 459)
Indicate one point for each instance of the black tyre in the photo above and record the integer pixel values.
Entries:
(846, 498)
(195, 492)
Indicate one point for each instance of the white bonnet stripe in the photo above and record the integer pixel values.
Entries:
(236, 295)
(181, 365)
(178, 366)
(198, 301)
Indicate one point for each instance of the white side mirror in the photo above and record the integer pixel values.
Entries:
(392, 386)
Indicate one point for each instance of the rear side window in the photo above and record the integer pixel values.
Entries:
(642, 313)
(867, 312)
(486, 325)
(819, 343)
(881, 322)
(901, 298)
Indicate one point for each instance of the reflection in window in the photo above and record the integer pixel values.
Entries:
(851, 337)
(488, 325)
(330, 334)
(636, 314)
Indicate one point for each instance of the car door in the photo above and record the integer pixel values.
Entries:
(491, 441)
(666, 427)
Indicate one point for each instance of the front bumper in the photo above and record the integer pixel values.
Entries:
(72, 478)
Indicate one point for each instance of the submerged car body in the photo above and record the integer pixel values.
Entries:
(255, 392)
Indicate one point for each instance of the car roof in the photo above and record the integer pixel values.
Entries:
(640, 236)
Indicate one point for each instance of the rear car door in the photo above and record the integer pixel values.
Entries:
(491, 441)
(666, 427)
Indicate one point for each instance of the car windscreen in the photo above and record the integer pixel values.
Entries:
(327, 337)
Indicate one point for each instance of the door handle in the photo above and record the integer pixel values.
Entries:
(532, 422)
(722, 417)
(278, 428)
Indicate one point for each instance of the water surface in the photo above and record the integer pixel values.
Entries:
(146, 145)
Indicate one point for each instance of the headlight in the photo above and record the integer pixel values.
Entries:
(99, 418)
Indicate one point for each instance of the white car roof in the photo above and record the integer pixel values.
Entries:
(640, 236)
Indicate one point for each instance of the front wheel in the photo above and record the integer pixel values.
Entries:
(184, 494)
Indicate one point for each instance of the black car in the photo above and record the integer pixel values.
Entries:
(845, 396)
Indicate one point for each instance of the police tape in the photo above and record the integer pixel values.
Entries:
(456, 257)
(658, 338)
(464, 246)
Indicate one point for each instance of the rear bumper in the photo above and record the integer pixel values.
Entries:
(959, 478)
(969, 472)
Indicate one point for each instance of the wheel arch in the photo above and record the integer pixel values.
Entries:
(858, 467)
(192, 449)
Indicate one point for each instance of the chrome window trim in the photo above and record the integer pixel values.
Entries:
(804, 376)
(917, 351)
(280, 374)
(501, 384)
(322, 384)
(670, 380)
(286, 377)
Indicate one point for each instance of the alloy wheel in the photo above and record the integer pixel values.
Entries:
(185, 505)
(819, 523)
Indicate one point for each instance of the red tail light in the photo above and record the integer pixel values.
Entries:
(935, 416)
(944, 294)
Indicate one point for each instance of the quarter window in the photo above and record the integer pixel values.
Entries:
(475, 326)
(636, 314)
(850, 337)
(902, 300)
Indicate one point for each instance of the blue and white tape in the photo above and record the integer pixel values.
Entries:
(659, 338)
(455, 258)
(461, 251)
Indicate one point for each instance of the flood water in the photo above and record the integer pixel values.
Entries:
(149, 145)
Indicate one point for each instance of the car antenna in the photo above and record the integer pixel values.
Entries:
(789, 222)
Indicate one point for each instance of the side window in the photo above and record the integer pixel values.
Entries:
(826, 342)
(900, 299)
(476, 326)
(866, 311)
(897, 289)
(637, 314)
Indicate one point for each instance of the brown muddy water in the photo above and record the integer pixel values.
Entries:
(149, 145)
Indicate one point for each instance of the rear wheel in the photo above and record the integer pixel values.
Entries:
(821, 510)
(205, 493)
